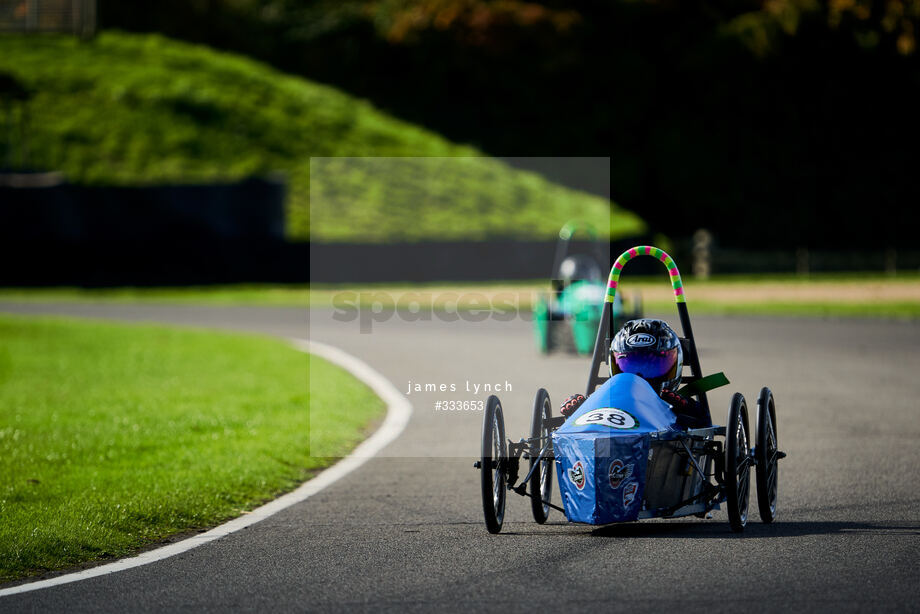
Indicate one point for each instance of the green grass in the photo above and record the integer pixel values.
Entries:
(856, 277)
(847, 294)
(898, 310)
(116, 436)
(143, 109)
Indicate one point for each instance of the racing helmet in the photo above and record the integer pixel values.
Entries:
(650, 349)
(579, 268)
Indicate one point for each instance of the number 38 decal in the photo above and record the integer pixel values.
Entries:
(610, 416)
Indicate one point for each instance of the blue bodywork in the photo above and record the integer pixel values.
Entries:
(603, 448)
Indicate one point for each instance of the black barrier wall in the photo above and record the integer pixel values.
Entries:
(160, 235)
(250, 209)
(450, 261)
(234, 233)
(225, 233)
(204, 234)
(184, 262)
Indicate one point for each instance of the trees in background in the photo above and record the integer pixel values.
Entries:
(771, 122)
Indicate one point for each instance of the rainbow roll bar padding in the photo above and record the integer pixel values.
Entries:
(645, 250)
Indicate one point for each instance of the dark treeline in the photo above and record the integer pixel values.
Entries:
(771, 122)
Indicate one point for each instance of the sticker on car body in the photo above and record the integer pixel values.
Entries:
(608, 416)
(577, 475)
(629, 492)
(618, 472)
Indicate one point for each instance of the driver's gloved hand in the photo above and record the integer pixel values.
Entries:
(678, 402)
(571, 404)
(689, 412)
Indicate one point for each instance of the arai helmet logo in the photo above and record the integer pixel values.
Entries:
(641, 340)
(577, 475)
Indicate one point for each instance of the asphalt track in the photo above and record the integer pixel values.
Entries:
(404, 532)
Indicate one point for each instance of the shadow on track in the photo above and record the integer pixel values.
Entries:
(720, 530)
(715, 529)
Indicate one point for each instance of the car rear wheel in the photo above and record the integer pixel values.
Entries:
(492, 465)
(767, 455)
(541, 480)
(737, 464)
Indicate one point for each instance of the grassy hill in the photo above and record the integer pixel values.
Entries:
(143, 109)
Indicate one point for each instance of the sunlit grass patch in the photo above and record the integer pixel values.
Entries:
(142, 109)
(820, 295)
(116, 436)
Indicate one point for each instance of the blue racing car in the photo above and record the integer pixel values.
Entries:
(626, 450)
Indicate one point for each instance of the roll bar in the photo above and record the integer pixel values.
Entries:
(602, 343)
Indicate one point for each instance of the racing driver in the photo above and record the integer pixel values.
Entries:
(650, 349)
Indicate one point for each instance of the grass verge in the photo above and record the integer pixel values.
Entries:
(115, 436)
(821, 295)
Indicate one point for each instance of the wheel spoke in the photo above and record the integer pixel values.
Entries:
(498, 475)
(738, 463)
(540, 476)
(744, 464)
(767, 455)
(773, 454)
(545, 468)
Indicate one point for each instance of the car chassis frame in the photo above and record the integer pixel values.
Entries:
(719, 453)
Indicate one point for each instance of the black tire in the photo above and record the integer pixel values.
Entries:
(737, 464)
(541, 480)
(494, 458)
(766, 453)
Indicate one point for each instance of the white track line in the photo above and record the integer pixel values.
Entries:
(398, 412)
